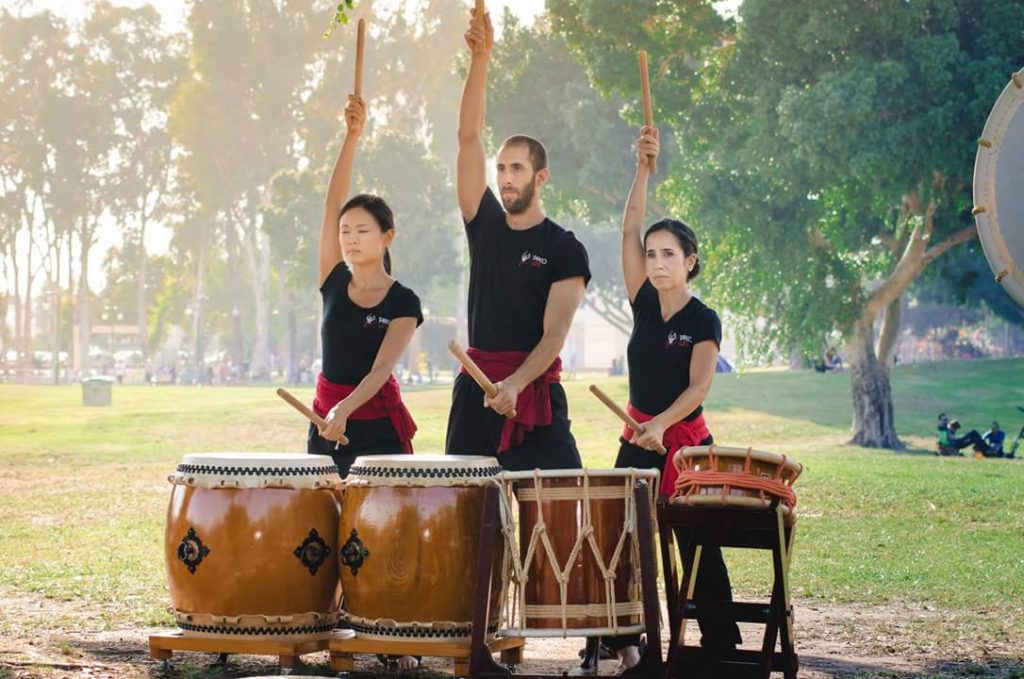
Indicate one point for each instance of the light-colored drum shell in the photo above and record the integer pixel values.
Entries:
(253, 560)
(764, 464)
(423, 470)
(415, 520)
(998, 198)
(256, 470)
(791, 465)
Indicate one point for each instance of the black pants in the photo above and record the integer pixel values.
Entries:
(474, 429)
(712, 575)
(970, 438)
(365, 437)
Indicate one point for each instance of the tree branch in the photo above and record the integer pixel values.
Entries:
(962, 236)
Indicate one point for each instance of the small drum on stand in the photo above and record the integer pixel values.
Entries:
(410, 526)
(574, 568)
(743, 477)
(998, 200)
(250, 545)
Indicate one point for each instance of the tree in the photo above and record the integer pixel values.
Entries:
(828, 151)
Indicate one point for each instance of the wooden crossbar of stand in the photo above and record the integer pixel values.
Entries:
(162, 646)
(481, 661)
(723, 526)
(344, 647)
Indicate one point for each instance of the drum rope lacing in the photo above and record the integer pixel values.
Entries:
(692, 480)
(515, 572)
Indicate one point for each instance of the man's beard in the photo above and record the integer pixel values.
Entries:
(521, 202)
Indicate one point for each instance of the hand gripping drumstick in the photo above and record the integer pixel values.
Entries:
(310, 415)
(637, 428)
(476, 373)
(645, 89)
(360, 49)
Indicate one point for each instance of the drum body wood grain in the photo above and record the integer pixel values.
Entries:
(409, 530)
(250, 545)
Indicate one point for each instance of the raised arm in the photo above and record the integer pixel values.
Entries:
(471, 164)
(634, 270)
(337, 189)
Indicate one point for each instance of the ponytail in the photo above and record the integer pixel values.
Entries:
(387, 261)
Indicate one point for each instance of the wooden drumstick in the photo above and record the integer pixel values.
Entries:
(645, 90)
(310, 415)
(637, 428)
(476, 373)
(480, 9)
(360, 50)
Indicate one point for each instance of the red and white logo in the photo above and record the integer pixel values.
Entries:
(373, 320)
(677, 340)
(531, 260)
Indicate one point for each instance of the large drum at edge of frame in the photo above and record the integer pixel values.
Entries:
(250, 545)
(998, 200)
(409, 534)
(577, 562)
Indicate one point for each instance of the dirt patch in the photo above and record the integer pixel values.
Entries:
(47, 638)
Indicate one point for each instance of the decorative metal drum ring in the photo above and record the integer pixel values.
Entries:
(191, 551)
(354, 553)
(313, 551)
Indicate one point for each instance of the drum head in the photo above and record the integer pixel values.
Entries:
(423, 469)
(998, 199)
(256, 470)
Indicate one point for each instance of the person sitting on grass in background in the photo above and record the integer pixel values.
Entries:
(994, 438)
(831, 361)
(970, 438)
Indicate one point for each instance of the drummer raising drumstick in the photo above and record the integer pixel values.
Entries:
(527, 278)
(368, 317)
(672, 354)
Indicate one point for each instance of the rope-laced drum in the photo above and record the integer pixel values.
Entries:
(743, 477)
(998, 199)
(573, 566)
(410, 526)
(250, 545)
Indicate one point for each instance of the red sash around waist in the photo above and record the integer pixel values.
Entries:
(385, 403)
(681, 434)
(533, 406)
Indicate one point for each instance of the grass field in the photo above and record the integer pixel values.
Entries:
(83, 491)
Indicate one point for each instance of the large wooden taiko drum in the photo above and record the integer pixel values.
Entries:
(410, 527)
(576, 565)
(250, 545)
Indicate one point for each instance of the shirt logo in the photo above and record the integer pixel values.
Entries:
(676, 340)
(375, 321)
(531, 260)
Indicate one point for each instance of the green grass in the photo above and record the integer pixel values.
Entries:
(83, 491)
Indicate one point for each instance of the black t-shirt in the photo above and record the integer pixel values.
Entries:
(659, 352)
(510, 275)
(352, 334)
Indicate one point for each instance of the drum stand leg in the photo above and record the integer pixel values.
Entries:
(481, 662)
(650, 665)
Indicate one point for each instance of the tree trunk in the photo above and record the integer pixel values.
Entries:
(237, 340)
(257, 259)
(84, 325)
(140, 295)
(874, 424)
